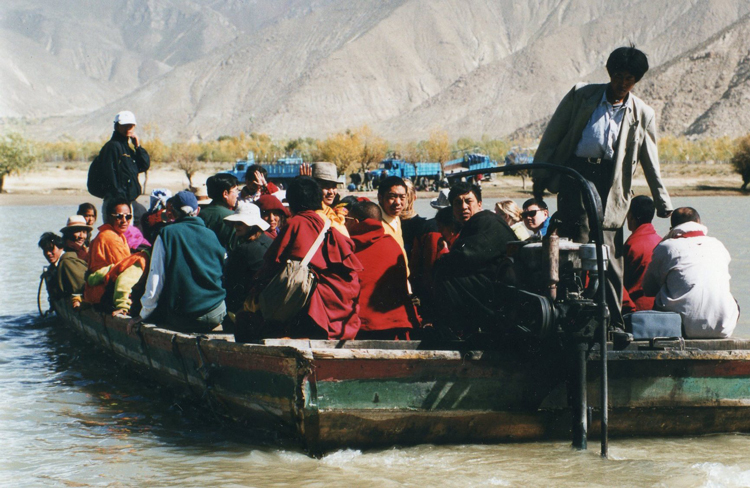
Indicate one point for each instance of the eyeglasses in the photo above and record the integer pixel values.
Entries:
(530, 213)
(122, 216)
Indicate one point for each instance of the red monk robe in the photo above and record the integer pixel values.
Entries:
(637, 256)
(333, 304)
(384, 303)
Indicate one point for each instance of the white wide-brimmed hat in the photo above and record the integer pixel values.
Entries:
(442, 199)
(249, 214)
(76, 222)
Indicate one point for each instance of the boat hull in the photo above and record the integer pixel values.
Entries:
(358, 394)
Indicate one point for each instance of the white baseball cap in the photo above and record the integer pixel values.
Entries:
(125, 117)
(249, 214)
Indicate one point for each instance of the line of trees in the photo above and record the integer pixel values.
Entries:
(353, 150)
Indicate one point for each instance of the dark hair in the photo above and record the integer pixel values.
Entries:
(628, 59)
(642, 209)
(462, 188)
(217, 184)
(82, 208)
(304, 193)
(534, 201)
(253, 169)
(444, 217)
(349, 201)
(366, 210)
(50, 238)
(388, 183)
(684, 214)
(113, 204)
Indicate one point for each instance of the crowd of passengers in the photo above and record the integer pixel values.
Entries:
(195, 261)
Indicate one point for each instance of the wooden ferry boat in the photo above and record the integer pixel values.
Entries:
(364, 394)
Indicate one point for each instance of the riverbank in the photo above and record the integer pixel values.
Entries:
(65, 183)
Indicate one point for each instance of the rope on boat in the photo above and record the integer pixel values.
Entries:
(39, 295)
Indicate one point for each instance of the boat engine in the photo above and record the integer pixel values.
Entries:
(547, 289)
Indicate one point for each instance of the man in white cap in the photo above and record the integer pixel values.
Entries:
(119, 165)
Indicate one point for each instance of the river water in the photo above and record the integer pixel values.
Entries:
(69, 416)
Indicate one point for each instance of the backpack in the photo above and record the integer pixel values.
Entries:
(97, 182)
(288, 292)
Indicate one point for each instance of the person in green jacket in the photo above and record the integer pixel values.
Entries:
(224, 191)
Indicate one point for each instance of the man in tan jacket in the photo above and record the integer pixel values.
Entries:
(603, 131)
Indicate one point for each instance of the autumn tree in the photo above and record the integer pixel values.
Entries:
(17, 154)
(186, 156)
(741, 160)
(348, 149)
(438, 147)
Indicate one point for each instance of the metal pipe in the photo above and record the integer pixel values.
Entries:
(594, 213)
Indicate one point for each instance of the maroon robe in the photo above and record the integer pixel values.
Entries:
(333, 305)
(384, 302)
(638, 251)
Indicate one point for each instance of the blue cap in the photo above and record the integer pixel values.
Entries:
(187, 199)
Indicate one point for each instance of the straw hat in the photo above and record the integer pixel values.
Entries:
(249, 214)
(76, 222)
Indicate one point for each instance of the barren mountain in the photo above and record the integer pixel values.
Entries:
(204, 68)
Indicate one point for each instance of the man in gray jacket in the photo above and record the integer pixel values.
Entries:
(603, 131)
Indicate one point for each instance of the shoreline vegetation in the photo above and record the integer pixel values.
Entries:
(55, 169)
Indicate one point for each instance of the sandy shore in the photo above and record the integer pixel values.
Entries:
(65, 184)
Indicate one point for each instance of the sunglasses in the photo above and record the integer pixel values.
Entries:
(122, 216)
(529, 213)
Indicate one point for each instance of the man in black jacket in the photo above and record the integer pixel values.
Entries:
(464, 278)
(122, 164)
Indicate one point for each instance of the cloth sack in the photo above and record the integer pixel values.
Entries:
(288, 292)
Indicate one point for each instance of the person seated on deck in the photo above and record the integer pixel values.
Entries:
(113, 271)
(274, 212)
(224, 191)
(71, 269)
(88, 211)
(689, 274)
(183, 288)
(509, 211)
(78, 233)
(256, 184)
(332, 308)
(464, 277)
(51, 245)
(156, 217)
(637, 253)
(244, 261)
(536, 216)
(386, 310)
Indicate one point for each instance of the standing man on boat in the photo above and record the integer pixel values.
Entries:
(392, 196)
(689, 274)
(120, 164)
(603, 131)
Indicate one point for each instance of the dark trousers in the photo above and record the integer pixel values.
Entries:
(572, 222)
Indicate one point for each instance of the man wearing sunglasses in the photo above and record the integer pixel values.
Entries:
(535, 216)
(603, 132)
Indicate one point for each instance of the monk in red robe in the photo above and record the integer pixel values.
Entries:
(638, 251)
(386, 310)
(332, 311)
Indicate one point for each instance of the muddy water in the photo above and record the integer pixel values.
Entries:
(70, 417)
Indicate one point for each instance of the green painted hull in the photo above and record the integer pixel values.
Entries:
(358, 394)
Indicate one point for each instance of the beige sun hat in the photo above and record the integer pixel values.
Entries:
(76, 222)
(249, 214)
(325, 171)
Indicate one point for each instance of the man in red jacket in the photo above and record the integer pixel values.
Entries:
(385, 308)
(638, 250)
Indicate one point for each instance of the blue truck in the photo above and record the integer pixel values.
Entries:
(469, 162)
(402, 169)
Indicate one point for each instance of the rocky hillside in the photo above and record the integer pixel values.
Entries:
(205, 68)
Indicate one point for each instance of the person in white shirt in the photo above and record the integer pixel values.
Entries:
(689, 274)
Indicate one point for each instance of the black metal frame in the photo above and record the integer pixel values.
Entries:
(592, 204)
